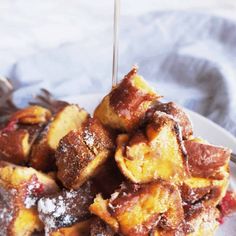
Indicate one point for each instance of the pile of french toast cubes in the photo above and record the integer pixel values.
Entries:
(134, 168)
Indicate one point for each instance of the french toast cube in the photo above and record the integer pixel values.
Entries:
(199, 221)
(206, 160)
(68, 118)
(156, 153)
(66, 208)
(136, 209)
(125, 106)
(82, 153)
(31, 115)
(19, 133)
(177, 113)
(20, 189)
(15, 146)
(208, 191)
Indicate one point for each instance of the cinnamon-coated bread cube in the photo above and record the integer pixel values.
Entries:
(157, 152)
(208, 191)
(15, 146)
(199, 221)
(206, 160)
(125, 106)
(68, 118)
(19, 133)
(82, 153)
(20, 189)
(178, 114)
(31, 115)
(137, 209)
(66, 208)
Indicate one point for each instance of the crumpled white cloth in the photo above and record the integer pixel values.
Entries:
(188, 54)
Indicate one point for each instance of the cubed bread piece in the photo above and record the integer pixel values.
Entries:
(15, 146)
(20, 132)
(154, 153)
(203, 220)
(199, 221)
(68, 118)
(125, 106)
(99, 227)
(81, 153)
(208, 191)
(31, 115)
(205, 160)
(20, 189)
(66, 208)
(79, 229)
(137, 209)
(178, 114)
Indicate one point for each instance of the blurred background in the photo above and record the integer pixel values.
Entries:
(185, 48)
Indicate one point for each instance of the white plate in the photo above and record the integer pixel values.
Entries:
(202, 127)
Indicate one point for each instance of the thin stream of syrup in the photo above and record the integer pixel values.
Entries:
(115, 42)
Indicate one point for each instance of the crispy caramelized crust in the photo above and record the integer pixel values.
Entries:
(66, 208)
(178, 114)
(20, 189)
(31, 115)
(155, 153)
(15, 146)
(68, 118)
(79, 229)
(136, 209)
(81, 153)
(205, 160)
(127, 103)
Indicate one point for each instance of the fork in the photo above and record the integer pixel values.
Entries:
(233, 157)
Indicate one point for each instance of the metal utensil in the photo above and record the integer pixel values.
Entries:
(233, 158)
(115, 42)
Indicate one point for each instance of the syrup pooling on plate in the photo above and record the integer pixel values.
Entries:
(135, 168)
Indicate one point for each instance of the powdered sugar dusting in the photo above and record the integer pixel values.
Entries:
(65, 208)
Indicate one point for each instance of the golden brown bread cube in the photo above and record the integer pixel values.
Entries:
(137, 209)
(20, 189)
(15, 146)
(68, 118)
(205, 160)
(199, 221)
(125, 106)
(66, 208)
(209, 167)
(20, 132)
(82, 153)
(178, 114)
(154, 153)
(208, 191)
(31, 115)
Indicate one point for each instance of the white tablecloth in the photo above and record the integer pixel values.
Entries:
(186, 49)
